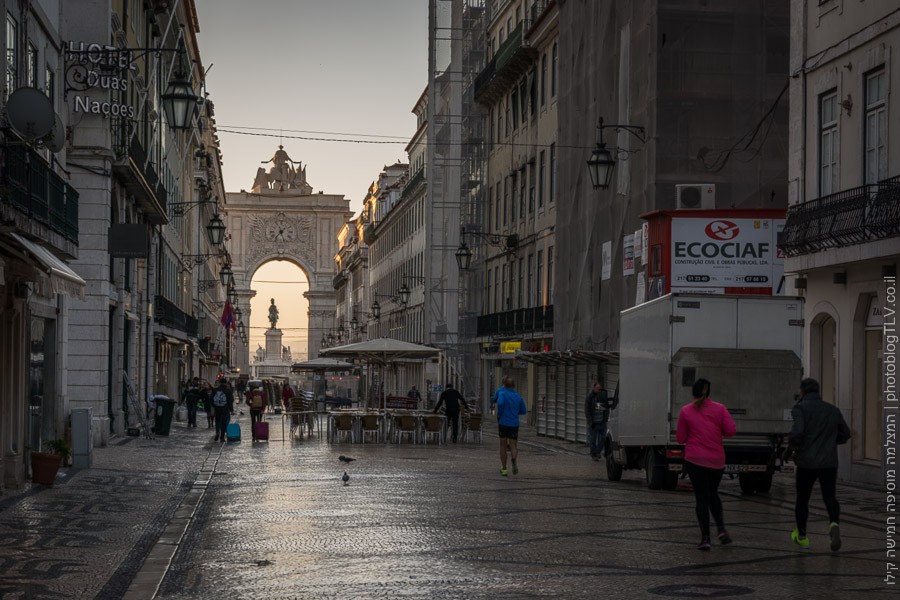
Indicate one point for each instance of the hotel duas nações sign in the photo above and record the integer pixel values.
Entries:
(95, 66)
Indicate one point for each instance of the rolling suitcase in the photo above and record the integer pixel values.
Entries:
(261, 431)
(233, 432)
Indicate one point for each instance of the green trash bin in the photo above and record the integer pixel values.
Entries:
(165, 410)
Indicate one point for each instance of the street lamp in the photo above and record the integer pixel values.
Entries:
(179, 102)
(226, 275)
(403, 293)
(232, 296)
(241, 330)
(216, 231)
(601, 163)
(463, 257)
(237, 313)
(376, 310)
(354, 323)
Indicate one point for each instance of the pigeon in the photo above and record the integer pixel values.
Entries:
(345, 478)
(345, 459)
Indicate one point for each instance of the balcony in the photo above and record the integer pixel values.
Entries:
(36, 194)
(412, 186)
(538, 319)
(513, 59)
(140, 177)
(168, 314)
(850, 217)
(369, 233)
(340, 278)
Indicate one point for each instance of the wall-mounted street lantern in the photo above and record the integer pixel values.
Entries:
(226, 276)
(215, 230)
(601, 163)
(463, 257)
(179, 102)
(463, 254)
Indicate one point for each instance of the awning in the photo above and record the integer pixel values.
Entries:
(63, 280)
(568, 357)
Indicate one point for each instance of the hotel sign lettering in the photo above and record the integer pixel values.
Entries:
(96, 66)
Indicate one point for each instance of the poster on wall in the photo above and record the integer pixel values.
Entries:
(638, 244)
(640, 294)
(628, 255)
(710, 254)
(645, 239)
(607, 261)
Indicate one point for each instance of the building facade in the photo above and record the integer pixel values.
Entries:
(39, 238)
(841, 238)
(518, 89)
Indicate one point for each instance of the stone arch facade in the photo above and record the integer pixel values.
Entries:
(286, 223)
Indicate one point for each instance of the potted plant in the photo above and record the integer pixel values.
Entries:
(45, 465)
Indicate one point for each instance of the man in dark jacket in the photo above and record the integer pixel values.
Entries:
(596, 409)
(223, 405)
(451, 399)
(192, 396)
(818, 429)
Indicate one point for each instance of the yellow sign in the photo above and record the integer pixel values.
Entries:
(510, 347)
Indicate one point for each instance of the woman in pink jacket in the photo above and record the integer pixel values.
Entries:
(701, 426)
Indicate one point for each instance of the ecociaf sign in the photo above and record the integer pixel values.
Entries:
(714, 254)
(91, 67)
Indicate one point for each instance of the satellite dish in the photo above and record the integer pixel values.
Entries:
(57, 139)
(30, 113)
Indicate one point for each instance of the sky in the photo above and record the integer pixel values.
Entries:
(302, 66)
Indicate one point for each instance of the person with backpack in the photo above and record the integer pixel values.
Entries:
(223, 406)
(819, 427)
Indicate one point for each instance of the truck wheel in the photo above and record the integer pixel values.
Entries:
(613, 469)
(654, 467)
(671, 480)
(764, 483)
(749, 482)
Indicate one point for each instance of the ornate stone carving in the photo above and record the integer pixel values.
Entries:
(279, 235)
(281, 175)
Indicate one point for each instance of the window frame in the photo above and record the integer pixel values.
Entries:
(878, 109)
(828, 136)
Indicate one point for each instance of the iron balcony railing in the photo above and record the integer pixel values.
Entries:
(854, 216)
(168, 314)
(413, 183)
(139, 175)
(30, 186)
(519, 321)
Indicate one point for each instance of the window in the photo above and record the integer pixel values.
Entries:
(31, 66)
(490, 210)
(539, 295)
(491, 127)
(552, 173)
(515, 107)
(541, 168)
(553, 71)
(504, 295)
(505, 198)
(12, 55)
(532, 95)
(876, 128)
(50, 84)
(828, 144)
(521, 290)
(488, 295)
(550, 275)
(494, 304)
(523, 98)
(506, 131)
(523, 177)
(497, 207)
(499, 123)
(532, 182)
(512, 198)
(544, 80)
(529, 298)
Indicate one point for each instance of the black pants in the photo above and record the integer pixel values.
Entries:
(806, 479)
(705, 482)
(192, 414)
(453, 421)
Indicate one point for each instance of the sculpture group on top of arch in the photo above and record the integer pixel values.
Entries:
(282, 176)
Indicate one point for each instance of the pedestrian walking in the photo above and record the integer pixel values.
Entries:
(287, 393)
(596, 408)
(818, 429)
(192, 398)
(223, 405)
(257, 401)
(414, 394)
(206, 393)
(451, 400)
(701, 426)
(510, 405)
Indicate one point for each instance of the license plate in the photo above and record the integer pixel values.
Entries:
(746, 468)
(677, 467)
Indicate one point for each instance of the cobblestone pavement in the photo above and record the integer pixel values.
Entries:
(275, 521)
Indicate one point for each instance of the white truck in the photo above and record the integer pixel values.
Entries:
(748, 347)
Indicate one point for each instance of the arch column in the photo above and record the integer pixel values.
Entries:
(242, 350)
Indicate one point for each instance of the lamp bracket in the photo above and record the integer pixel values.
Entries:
(635, 130)
(505, 242)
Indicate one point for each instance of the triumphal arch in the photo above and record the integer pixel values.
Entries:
(280, 218)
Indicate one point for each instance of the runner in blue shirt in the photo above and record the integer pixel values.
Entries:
(509, 406)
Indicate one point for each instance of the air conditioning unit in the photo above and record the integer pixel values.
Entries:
(695, 195)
